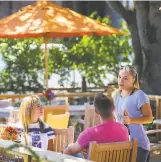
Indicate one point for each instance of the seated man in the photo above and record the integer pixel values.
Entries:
(106, 132)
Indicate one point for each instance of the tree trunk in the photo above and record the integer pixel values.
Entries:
(130, 18)
(138, 57)
(145, 26)
(149, 25)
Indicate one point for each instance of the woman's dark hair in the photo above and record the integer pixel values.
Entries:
(103, 105)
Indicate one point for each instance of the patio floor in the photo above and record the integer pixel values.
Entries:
(155, 159)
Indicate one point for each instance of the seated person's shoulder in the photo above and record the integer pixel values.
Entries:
(120, 127)
(46, 125)
(49, 131)
(47, 128)
(119, 124)
(87, 131)
(85, 137)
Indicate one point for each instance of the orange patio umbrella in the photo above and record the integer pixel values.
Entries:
(49, 20)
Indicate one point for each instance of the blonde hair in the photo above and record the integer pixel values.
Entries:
(26, 107)
(133, 73)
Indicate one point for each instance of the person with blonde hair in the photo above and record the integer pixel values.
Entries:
(33, 131)
(132, 108)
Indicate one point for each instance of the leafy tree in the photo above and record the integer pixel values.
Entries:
(93, 56)
(144, 25)
(23, 58)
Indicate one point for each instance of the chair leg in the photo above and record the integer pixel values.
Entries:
(148, 159)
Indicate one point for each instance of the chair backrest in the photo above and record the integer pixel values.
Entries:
(91, 117)
(54, 110)
(113, 152)
(63, 137)
(2, 127)
(13, 116)
(58, 121)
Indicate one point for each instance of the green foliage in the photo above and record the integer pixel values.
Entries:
(24, 58)
(59, 63)
(27, 148)
(93, 56)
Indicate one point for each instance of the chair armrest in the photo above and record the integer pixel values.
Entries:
(81, 121)
(153, 131)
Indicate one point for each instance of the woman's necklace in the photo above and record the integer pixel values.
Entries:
(120, 109)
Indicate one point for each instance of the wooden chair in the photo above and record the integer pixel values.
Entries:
(54, 110)
(113, 152)
(2, 127)
(58, 121)
(91, 117)
(63, 137)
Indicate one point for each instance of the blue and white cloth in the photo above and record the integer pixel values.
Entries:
(35, 137)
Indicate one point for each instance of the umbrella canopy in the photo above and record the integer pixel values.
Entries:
(49, 20)
(45, 18)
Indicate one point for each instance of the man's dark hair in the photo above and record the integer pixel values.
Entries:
(103, 105)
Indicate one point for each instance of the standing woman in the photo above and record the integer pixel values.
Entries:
(132, 107)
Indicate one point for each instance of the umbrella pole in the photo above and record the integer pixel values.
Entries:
(46, 62)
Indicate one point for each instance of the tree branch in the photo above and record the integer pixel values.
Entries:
(138, 57)
(121, 10)
(130, 18)
(154, 22)
(142, 13)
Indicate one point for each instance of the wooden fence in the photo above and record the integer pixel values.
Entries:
(155, 99)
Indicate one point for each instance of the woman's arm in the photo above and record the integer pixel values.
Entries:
(146, 117)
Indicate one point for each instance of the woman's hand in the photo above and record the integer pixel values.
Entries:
(146, 117)
(126, 118)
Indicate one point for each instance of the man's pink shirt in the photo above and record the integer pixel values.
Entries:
(107, 132)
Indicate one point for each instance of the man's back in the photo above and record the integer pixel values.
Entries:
(107, 132)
